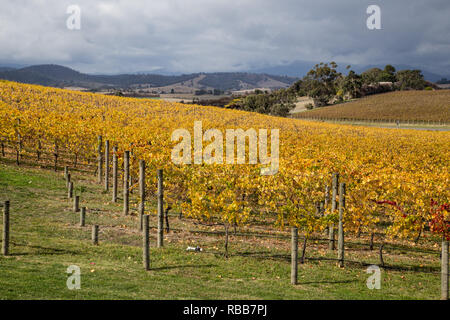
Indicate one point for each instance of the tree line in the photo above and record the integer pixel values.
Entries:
(326, 86)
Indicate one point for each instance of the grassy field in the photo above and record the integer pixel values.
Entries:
(400, 105)
(46, 239)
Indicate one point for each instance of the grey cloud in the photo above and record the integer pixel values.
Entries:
(223, 35)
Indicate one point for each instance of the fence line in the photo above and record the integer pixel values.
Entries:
(381, 121)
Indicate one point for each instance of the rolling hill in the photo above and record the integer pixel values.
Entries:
(59, 76)
(399, 105)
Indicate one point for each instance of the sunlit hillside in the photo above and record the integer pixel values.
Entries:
(400, 105)
(405, 166)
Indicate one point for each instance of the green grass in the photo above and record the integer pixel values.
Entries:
(46, 239)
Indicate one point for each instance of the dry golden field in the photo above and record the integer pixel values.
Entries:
(399, 105)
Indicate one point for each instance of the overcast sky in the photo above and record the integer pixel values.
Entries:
(119, 36)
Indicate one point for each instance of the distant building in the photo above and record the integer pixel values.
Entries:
(443, 86)
(250, 91)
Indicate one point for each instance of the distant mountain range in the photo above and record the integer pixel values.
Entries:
(59, 76)
(276, 77)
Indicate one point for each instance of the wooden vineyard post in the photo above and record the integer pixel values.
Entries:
(126, 185)
(99, 160)
(331, 245)
(146, 243)
(83, 217)
(5, 234)
(141, 191)
(114, 168)
(66, 172)
(70, 191)
(95, 235)
(294, 255)
(107, 165)
(68, 179)
(160, 209)
(341, 225)
(444, 270)
(327, 196)
(76, 204)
